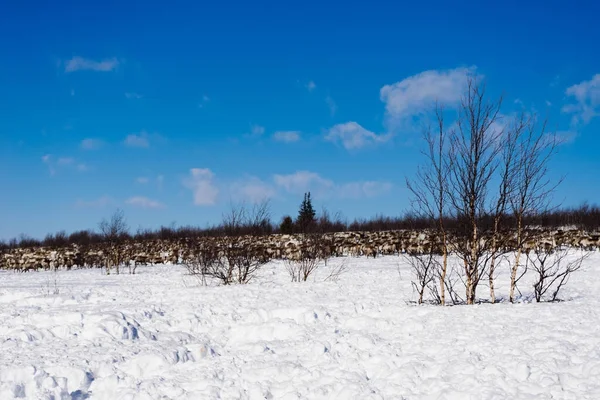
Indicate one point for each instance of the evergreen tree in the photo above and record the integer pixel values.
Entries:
(306, 214)
(287, 225)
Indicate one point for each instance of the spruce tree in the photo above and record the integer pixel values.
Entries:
(306, 214)
(287, 225)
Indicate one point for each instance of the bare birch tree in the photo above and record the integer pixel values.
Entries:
(532, 188)
(429, 201)
(553, 270)
(507, 172)
(113, 231)
(476, 146)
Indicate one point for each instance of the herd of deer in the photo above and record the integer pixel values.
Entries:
(371, 244)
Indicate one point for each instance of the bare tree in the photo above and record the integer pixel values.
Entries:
(429, 202)
(476, 145)
(425, 270)
(532, 188)
(311, 253)
(508, 170)
(241, 219)
(336, 271)
(113, 231)
(553, 270)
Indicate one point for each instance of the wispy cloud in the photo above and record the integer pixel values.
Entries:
(565, 137)
(252, 189)
(416, 95)
(587, 97)
(366, 189)
(140, 140)
(304, 181)
(91, 144)
(101, 202)
(331, 104)
(85, 64)
(54, 164)
(257, 130)
(142, 180)
(65, 161)
(310, 86)
(205, 100)
(353, 136)
(133, 95)
(286, 136)
(144, 202)
(160, 180)
(201, 183)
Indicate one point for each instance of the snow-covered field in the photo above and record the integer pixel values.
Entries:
(159, 335)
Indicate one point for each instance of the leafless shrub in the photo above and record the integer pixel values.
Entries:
(113, 232)
(426, 269)
(239, 263)
(553, 270)
(312, 251)
(52, 284)
(452, 283)
(204, 262)
(337, 271)
(230, 262)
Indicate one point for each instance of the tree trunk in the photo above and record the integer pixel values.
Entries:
(493, 262)
(472, 277)
(515, 267)
(444, 269)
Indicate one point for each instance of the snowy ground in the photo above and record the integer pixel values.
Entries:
(159, 335)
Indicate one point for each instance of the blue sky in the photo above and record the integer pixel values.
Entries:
(172, 111)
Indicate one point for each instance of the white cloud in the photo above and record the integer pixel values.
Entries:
(205, 99)
(417, 94)
(65, 161)
(331, 104)
(201, 183)
(91, 144)
(353, 136)
(47, 159)
(84, 64)
(305, 181)
(366, 189)
(142, 180)
(144, 202)
(587, 96)
(252, 189)
(61, 163)
(310, 86)
(138, 140)
(564, 137)
(101, 202)
(257, 130)
(286, 136)
(133, 95)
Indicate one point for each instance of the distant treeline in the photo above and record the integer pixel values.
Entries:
(585, 217)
